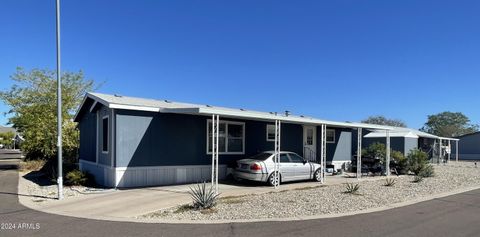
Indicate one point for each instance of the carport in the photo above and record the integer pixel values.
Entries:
(218, 113)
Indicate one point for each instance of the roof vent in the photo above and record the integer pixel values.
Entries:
(302, 116)
(117, 95)
(271, 112)
(242, 109)
(287, 113)
(167, 101)
(209, 106)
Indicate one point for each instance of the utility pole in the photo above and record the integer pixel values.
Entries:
(59, 109)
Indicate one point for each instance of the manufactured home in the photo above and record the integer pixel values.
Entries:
(132, 142)
(469, 146)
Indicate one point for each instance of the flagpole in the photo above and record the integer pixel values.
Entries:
(59, 108)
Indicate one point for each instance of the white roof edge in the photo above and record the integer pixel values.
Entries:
(227, 112)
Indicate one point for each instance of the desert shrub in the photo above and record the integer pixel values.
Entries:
(203, 197)
(375, 150)
(32, 165)
(389, 182)
(77, 178)
(351, 188)
(400, 160)
(418, 163)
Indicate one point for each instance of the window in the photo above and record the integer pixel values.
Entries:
(270, 132)
(296, 158)
(231, 137)
(105, 134)
(330, 136)
(283, 158)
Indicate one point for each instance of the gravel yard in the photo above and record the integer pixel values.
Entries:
(41, 190)
(331, 199)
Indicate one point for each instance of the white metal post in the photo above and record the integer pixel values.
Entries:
(359, 153)
(449, 151)
(216, 154)
(215, 139)
(456, 150)
(323, 154)
(440, 156)
(387, 154)
(276, 158)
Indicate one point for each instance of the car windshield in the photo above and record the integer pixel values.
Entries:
(261, 156)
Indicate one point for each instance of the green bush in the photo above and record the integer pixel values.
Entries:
(418, 163)
(77, 178)
(401, 161)
(203, 197)
(375, 150)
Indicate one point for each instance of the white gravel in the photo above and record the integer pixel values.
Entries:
(44, 193)
(331, 199)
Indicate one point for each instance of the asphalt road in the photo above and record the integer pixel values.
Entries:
(457, 215)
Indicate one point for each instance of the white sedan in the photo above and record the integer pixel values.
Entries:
(292, 167)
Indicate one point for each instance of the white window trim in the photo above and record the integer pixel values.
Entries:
(226, 138)
(108, 133)
(266, 128)
(334, 134)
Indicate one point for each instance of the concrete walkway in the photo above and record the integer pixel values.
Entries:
(131, 203)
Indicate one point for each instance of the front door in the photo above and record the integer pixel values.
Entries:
(309, 142)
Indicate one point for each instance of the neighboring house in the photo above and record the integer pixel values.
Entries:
(406, 139)
(469, 146)
(18, 138)
(130, 142)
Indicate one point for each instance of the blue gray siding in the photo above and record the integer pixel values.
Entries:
(468, 147)
(410, 144)
(88, 134)
(396, 143)
(161, 139)
(341, 150)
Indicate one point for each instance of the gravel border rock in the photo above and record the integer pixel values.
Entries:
(331, 199)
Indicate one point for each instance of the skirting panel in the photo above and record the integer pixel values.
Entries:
(165, 175)
(103, 174)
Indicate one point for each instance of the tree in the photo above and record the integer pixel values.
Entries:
(33, 109)
(6, 139)
(449, 124)
(382, 120)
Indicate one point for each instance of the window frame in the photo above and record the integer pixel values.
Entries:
(266, 128)
(334, 135)
(226, 152)
(108, 134)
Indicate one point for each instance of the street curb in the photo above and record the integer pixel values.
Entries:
(25, 202)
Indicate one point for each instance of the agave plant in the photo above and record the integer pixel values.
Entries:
(203, 196)
(352, 188)
(390, 182)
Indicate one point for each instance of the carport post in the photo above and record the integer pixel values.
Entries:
(439, 151)
(359, 153)
(387, 154)
(276, 158)
(323, 152)
(449, 151)
(215, 133)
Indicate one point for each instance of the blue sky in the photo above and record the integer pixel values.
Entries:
(338, 60)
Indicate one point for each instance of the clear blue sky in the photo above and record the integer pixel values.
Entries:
(338, 60)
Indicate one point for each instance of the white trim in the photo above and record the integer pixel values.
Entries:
(93, 106)
(97, 141)
(108, 135)
(226, 122)
(266, 128)
(334, 135)
(112, 148)
(123, 168)
(134, 107)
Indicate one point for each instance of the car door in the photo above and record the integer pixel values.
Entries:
(302, 168)
(287, 168)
